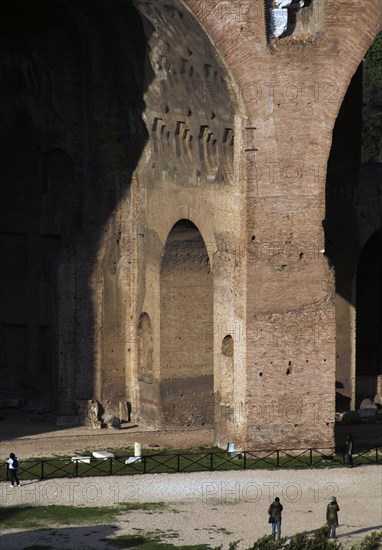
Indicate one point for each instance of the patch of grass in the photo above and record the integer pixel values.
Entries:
(164, 534)
(38, 547)
(41, 517)
(148, 506)
(215, 529)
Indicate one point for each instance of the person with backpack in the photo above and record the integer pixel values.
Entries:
(274, 512)
(13, 465)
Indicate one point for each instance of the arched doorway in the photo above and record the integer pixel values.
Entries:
(186, 348)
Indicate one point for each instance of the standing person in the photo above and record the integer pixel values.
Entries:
(349, 451)
(13, 462)
(274, 512)
(332, 517)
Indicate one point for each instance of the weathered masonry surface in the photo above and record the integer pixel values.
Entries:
(176, 188)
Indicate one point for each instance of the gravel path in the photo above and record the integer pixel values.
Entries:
(211, 508)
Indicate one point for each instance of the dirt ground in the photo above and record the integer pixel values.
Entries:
(32, 439)
(29, 440)
(212, 508)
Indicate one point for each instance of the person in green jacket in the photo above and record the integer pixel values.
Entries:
(332, 517)
(349, 451)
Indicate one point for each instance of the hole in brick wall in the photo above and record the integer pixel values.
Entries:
(289, 370)
(260, 374)
(207, 69)
(227, 346)
(301, 255)
(253, 238)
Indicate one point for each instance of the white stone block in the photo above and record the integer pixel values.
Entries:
(133, 459)
(137, 449)
(102, 454)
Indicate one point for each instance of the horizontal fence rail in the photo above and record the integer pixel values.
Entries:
(189, 462)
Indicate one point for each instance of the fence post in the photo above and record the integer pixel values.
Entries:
(178, 463)
(278, 458)
(42, 469)
(310, 457)
(111, 467)
(245, 460)
(211, 461)
(376, 455)
(144, 465)
(76, 469)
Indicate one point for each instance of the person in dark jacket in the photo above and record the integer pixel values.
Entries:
(13, 465)
(274, 512)
(332, 517)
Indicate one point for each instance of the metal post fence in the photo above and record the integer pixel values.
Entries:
(188, 462)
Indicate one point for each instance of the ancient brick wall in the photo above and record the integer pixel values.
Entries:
(292, 88)
(174, 187)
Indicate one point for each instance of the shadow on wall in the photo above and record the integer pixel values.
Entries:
(73, 78)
